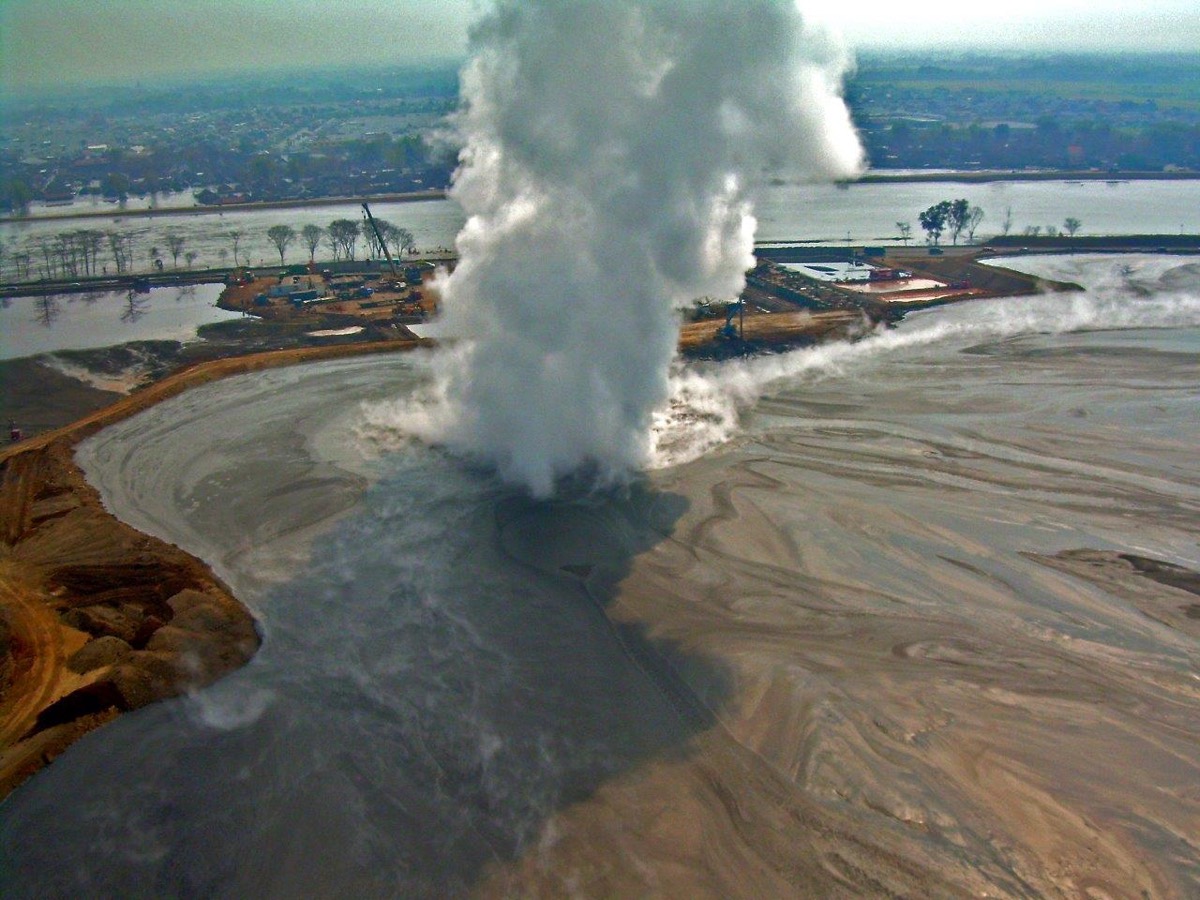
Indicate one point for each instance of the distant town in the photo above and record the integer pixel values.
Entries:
(349, 134)
(370, 132)
(1076, 113)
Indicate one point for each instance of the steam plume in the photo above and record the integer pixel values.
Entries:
(611, 156)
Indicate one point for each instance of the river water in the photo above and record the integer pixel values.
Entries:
(840, 642)
(866, 213)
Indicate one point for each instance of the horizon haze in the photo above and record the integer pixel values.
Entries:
(54, 44)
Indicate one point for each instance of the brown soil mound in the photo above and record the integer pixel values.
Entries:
(95, 617)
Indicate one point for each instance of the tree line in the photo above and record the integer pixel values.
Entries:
(955, 216)
(341, 237)
(92, 252)
(958, 216)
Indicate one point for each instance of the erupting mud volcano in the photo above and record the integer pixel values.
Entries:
(916, 615)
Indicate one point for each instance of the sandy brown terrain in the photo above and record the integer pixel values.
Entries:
(776, 330)
(963, 265)
(888, 755)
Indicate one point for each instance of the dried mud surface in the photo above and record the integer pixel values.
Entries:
(926, 628)
(924, 631)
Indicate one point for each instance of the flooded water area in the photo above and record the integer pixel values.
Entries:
(860, 213)
(914, 616)
(83, 321)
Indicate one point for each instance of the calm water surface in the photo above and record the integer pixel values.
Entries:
(32, 325)
(866, 212)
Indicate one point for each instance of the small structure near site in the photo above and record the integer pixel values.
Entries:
(333, 297)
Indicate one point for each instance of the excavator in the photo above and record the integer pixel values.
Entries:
(728, 332)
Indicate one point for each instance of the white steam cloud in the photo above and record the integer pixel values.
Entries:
(707, 403)
(612, 153)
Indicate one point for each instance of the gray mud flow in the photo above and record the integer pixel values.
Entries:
(928, 627)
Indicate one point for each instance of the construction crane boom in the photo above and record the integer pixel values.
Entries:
(379, 238)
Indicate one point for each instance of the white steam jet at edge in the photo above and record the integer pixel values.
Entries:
(612, 152)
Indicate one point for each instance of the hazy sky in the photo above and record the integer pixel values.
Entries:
(49, 42)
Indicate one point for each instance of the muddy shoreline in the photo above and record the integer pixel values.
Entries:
(877, 654)
(97, 618)
(819, 661)
(44, 704)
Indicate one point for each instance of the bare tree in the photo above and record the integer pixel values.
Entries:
(345, 232)
(281, 236)
(90, 241)
(1072, 225)
(956, 219)
(312, 235)
(974, 217)
(175, 242)
(77, 254)
(71, 254)
(47, 309)
(189, 258)
(1006, 225)
(404, 241)
(66, 251)
(20, 260)
(49, 264)
(400, 240)
(235, 236)
(135, 307)
(82, 250)
(96, 240)
(374, 247)
(334, 247)
(121, 246)
(905, 229)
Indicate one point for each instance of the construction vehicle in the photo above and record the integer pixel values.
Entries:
(728, 332)
(379, 238)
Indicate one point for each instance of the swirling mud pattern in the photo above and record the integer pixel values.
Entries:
(914, 616)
